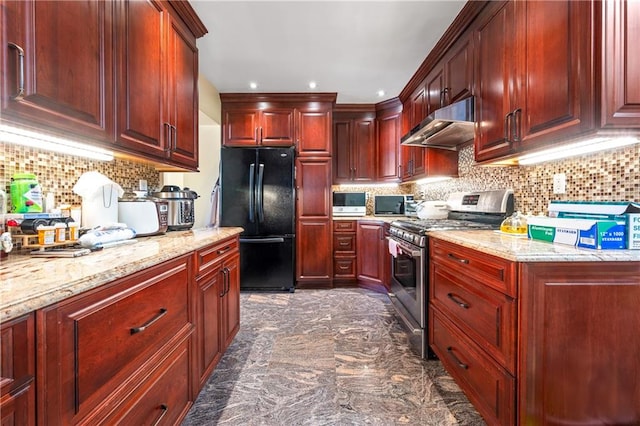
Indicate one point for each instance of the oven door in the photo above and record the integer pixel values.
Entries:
(408, 284)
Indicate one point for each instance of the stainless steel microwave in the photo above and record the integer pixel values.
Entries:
(349, 203)
(390, 205)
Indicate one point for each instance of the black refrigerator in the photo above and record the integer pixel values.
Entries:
(257, 193)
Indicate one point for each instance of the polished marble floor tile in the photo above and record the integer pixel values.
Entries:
(326, 357)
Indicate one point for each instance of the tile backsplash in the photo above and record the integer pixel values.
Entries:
(606, 176)
(58, 173)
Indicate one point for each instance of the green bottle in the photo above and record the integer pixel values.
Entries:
(26, 193)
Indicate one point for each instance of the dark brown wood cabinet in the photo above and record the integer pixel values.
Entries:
(344, 252)
(18, 372)
(99, 351)
(314, 128)
(354, 145)
(126, 78)
(250, 126)
(578, 349)
(313, 225)
(620, 85)
(157, 78)
(217, 304)
(373, 260)
(388, 134)
(527, 342)
(56, 74)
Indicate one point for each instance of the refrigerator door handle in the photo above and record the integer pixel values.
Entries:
(262, 240)
(260, 189)
(252, 190)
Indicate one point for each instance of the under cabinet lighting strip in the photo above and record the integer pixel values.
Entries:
(24, 137)
(579, 148)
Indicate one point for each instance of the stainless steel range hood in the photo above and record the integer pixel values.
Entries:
(445, 128)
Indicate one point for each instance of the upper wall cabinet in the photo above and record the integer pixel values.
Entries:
(354, 146)
(126, 77)
(452, 78)
(246, 125)
(534, 75)
(157, 80)
(286, 119)
(388, 133)
(56, 66)
(620, 87)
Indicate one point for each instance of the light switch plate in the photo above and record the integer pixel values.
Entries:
(559, 183)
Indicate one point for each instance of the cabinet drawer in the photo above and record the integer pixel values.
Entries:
(486, 315)
(344, 267)
(344, 225)
(94, 344)
(344, 243)
(206, 258)
(166, 399)
(490, 388)
(490, 270)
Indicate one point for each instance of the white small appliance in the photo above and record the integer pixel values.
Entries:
(145, 216)
(349, 203)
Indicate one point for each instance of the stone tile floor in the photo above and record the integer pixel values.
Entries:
(326, 357)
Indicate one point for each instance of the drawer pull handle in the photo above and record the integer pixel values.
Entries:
(457, 301)
(21, 386)
(344, 268)
(224, 250)
(143, 327)
(455, 358)
(457, 259)
(344, 244)
(165, 410)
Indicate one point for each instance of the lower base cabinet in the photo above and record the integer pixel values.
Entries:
(136, 351)
(374, 260)
(17, 372)
(564, 344)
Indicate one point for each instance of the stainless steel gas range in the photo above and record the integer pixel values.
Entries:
(409, 245)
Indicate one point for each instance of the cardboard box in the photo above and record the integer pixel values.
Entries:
(618, 211)
(587, 233)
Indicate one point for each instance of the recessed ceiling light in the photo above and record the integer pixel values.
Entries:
(253, 85)
(380, 93)
(312, 85)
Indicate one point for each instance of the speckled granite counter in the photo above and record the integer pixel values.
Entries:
(521, 249)
(28, 283)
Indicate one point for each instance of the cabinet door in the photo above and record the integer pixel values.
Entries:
(141, 77)
(230, 298)
(240, 127)
(313, 187)
(314, 132)
(183, 102)
(208, 315)
(364, 150)
(342, 151)
(371, 252)
(313, 252)
(495, 61)
(17, 372)
(388, 135)
(56, 65)
(621, 70)
(556, 84)
(434, 90)
(575, 322)
(276, 127)
(458, 72)
(417, 112)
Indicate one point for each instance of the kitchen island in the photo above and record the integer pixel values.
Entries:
(535, 332)
(122, 335)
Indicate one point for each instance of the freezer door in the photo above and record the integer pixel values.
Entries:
(275, 195)
(267, 263)
(237, 189)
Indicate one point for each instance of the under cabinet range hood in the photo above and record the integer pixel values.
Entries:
(445, 128)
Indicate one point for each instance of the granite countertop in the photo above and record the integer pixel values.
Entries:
(522, 249)
(29, 283)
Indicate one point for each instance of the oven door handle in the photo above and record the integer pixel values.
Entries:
(416, 254)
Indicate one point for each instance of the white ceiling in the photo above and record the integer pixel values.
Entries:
(354, 48)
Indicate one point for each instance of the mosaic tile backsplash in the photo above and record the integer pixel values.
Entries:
(58, 173)
(607, 176)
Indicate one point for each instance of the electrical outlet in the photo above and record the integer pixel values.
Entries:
(142, 185)
(559, 183)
